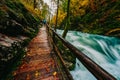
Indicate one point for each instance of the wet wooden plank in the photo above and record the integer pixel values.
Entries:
(38, 63)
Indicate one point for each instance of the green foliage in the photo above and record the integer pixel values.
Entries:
(17, 19)
(103, 17)
(2, 12)
(67, 55)
(98, 16)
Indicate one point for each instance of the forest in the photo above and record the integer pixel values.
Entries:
(89, 16)
(20, 21)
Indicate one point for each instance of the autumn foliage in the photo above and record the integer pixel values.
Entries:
(92, 16)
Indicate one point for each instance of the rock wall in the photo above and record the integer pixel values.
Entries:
(17, 27)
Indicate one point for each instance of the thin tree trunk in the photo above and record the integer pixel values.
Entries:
(57, 15)
(68, 20)
(34, 4)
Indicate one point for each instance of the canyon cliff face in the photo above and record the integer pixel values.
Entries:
(17, 27)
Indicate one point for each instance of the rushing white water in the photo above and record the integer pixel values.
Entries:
(103, 50)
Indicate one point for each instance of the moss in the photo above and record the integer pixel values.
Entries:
(16, 6)
(2, 13)
(26, 42)
(15, 21)
(9, 64)
(18, 20)
(67, 55)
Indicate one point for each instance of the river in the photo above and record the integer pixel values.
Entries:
(103, 50)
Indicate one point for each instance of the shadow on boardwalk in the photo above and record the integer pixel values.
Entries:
(38, 63)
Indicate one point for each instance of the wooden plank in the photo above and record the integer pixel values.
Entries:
(38, 63)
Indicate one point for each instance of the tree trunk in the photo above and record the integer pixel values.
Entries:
(34, 4)
(57, 15)
(68, 20)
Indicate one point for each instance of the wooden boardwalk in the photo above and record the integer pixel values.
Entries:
(38, 63)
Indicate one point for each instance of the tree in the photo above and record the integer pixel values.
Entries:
(68, 20)
(93, 16)
(45, 10)
(57, 14)
(35, 4)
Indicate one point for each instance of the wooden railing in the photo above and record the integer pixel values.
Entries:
(94, 68)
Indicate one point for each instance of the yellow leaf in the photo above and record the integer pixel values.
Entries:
(55, 73)
(36, 74)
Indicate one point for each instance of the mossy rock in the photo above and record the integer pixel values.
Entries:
(10, 57)
(15, 21)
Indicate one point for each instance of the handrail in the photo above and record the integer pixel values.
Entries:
(95, 69)
(64, 74)
(69, 76)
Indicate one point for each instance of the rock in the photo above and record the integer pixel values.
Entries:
(17, 27)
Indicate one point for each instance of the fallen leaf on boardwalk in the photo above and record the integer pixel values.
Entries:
(55, 73)
(14, 73)
(23, 66)
(55, 76)
(36, 74)
(28, 54)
